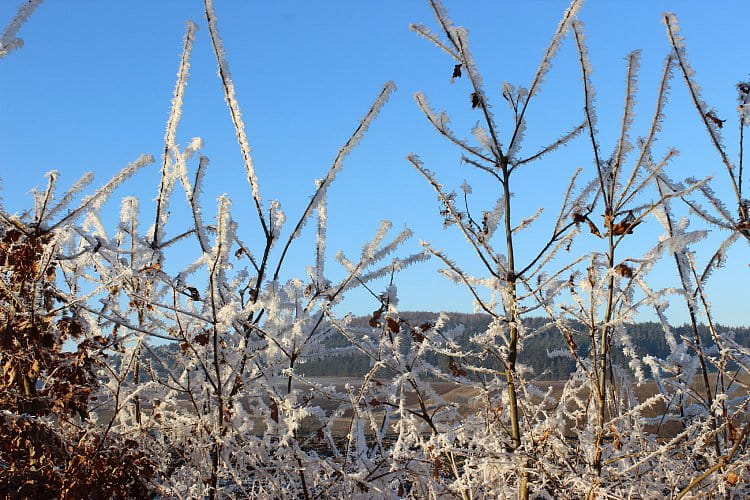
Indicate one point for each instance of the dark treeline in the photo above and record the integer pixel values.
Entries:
(648, 339)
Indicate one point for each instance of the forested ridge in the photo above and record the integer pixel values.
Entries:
(648, 339)
(544, 351)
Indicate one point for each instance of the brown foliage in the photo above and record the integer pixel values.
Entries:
(624, 270)
(455, 369)
(476, 100)
(47, 449)
(43, 462)
(715, 119)
(393, 325)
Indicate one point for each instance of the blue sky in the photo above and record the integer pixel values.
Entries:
(91, 88)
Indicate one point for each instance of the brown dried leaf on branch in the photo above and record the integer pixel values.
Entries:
(594, 230)
(711, 115)
(476, 101)
(625, 226)
(192, 292)
(417, 335)
(374, 319)
(624, 270)
(622, 228)
(49, 458)
(456, 371)
(393, 325)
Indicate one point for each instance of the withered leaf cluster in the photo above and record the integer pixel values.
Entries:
(46, 448)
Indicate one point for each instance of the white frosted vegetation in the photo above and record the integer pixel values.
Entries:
(226, 411)
(8, 40)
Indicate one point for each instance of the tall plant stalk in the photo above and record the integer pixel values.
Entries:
(491, 157)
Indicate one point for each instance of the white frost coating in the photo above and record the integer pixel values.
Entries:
(231, 99)
(481, 135)
(129, 213)
(719, 256)
(554, 46)
(183, 73)
(369, 249)
(518, 137)
(455, 216)
(628, 348)
(462, 39)
(169, 175)
(586, 71)
(451, 275)
(425, 32)
(96, 200)
(364, 124)
(391, 451)
(719, 205)
(195, 205)
(277, 216)
(196, 143)
(561, 141)
(542, 70)
(320, 244)
(680, 242)
(678, 43)
(178, 168)
(566, 207)
(41, 200)
(99, 197)
(656, 171)
(440, 121)
(225, 230)
(744, 107)
(624, 145)
(441, 15)
(656, 122)
(528, 220)
(338, 162)
(395, 266)
(8, 40)
(71, 193)
(491, 219)
(391, 247)
(227, 314)
(400, 264)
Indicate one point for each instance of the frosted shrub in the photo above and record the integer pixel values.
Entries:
(188, 383)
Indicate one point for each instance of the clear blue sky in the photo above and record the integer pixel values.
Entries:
(91, 88)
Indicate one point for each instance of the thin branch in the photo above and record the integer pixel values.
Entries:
(336, 167)
(551, 147)
(678, 44)
(234, 110)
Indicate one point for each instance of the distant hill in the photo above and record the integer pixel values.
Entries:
(647, 338)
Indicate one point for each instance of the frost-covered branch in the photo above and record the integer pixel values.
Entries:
(8, 40)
